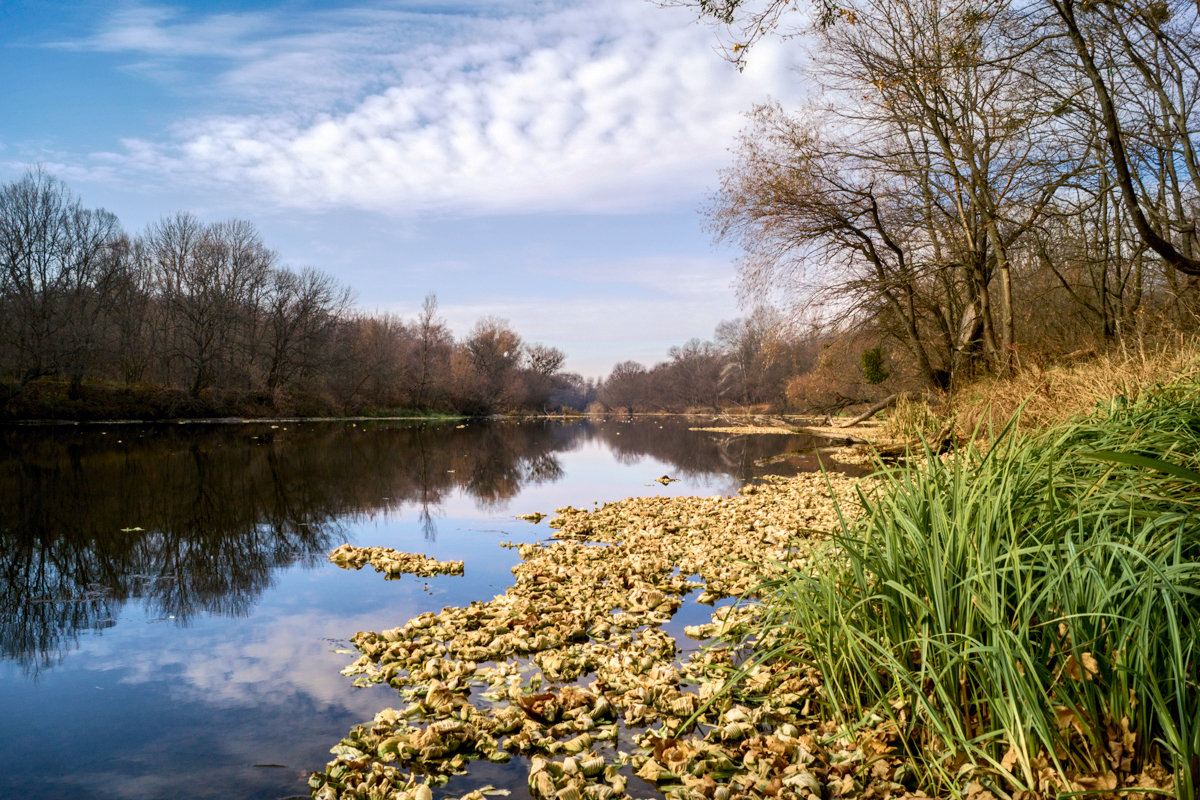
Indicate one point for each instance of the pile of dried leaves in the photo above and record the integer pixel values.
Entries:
(393, 563)
(572, 670)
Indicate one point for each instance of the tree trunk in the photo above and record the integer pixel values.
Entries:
(872, 411)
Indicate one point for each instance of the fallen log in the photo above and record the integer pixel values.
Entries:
(872, 411)
(939, 443)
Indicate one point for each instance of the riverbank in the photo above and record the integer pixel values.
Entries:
(928, 630)
(54, 401)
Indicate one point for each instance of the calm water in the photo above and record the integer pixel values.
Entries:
(169, 626)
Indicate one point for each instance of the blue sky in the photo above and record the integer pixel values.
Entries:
(540, 161)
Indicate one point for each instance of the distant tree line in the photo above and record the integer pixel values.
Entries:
(203, 318)
(749, 364)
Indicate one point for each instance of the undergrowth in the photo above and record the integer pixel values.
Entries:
(1051, 395)
(1026, 614)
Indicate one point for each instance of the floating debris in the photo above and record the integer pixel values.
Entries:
(393, 563)
(571, 669)
(535, 517)
(666, 479)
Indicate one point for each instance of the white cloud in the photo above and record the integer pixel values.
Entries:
(159, 31)
(589, 107)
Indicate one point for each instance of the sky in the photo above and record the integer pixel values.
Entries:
(546, 162)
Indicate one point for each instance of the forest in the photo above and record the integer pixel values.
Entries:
(191, 318)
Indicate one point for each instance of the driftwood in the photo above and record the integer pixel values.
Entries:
(872, 411)
(939, 443)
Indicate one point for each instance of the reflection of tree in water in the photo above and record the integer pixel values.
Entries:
(205, 523)
(694, 454)
(502, 459)
(210, 512)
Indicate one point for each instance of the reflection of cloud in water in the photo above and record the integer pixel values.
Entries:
(282, 660)
(214, 706)
(195, 520)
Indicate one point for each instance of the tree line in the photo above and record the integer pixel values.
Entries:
(749, 364)
(191, 318)
(203, 318)
(976, 184)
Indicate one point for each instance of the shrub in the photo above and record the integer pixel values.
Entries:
(1033, 606)
(872, 366)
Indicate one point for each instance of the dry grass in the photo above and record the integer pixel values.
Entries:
(910, 419)
(1049, 395)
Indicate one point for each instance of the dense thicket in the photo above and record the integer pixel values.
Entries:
(977, 183)
(195, 318)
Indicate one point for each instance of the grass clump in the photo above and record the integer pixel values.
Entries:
(910, 419)
(1026, 615)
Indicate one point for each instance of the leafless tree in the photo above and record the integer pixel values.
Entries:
(1140, 59)
(625, 387)
(210, 279)
(495, 351)
(952, 139)
(302, 309)
(434, 344)
(57, 260)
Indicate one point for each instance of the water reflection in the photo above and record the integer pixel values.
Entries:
(695, 454)
(192, 520)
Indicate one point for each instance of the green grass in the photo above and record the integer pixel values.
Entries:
(1032, 606)
(408, 413)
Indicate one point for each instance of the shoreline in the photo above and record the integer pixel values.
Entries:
(581, 678)
(582, 675)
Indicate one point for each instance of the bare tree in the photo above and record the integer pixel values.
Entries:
(210, 279)
(56, 264)
(693, 374)
(759, 360)
(368, 371)
(129, 341)
(544, 360)
(495, 351)
(302, 309)
(794, 201)
(625, 387)
(1160, 41)
(434, 344)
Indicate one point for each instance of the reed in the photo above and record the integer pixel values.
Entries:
(1024, 608)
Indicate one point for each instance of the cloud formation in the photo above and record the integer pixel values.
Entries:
(577, 107)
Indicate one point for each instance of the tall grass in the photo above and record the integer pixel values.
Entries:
(1027, 611)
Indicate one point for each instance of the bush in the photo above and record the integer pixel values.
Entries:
(872, 366)
(1031, 608)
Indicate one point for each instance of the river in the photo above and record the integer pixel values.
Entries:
(169, 623)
